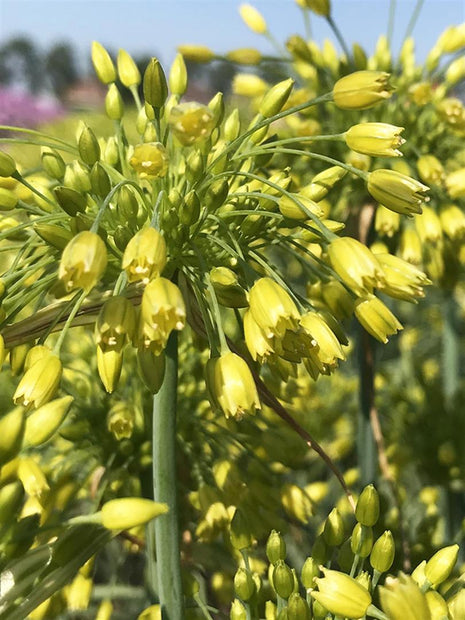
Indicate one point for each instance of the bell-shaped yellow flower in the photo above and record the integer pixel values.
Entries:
(83, 261)
(162, 310)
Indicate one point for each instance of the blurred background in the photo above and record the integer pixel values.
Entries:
(45, 67)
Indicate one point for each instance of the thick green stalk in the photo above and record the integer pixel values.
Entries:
(164, 488)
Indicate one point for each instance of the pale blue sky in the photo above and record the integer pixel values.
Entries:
(155, 27)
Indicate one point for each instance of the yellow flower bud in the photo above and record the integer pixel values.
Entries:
(333, 531)
(88, 146)
(114, 105)
(253, 18)
(178, 76)
(403, 280)
(7, 165)
(191, 122)
(105, 610)
(456, 605)
(375, 139)
(231, 386)
(237, 611)
(440, 565)
(274, 100)
(341, 595)
(421, 93)
(376, 318)
(428, 226)
(109, 365)
(150, 160)
(298, 207)
(83, 261)
(456, 71)
(244, 585)
(78, 593)
(410, 246)
(155, 86)
(43, 423)
(361, 541)
(275, 547)
(196, 53)
(430, 170)
(283, 579)
(151, 369)
(436, 605)
(455, 183)
(402, 599)
(227, 288)
(162, 310)
(387, 222)
(11, 500)
(320, 7)
(452, 220)
(12, 426)
(32, 478)
(323, 182)
(452, 39)
(151, 613)
(272, 308)
(8, 199)
(382, 554)
(356, 265)
(52, 163)
(397, 191)
(244, 56)
(296, 503)
(103, 64)
(361, 90)
(39, 383)
(128, 72)
(248, 85)
(259, 346)
(127, 512)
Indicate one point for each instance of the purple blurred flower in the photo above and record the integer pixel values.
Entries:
(25, 110)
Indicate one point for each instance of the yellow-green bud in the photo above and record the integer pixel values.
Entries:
(320, 550)
(114, 106)
(249, 85)
(83, 261)
(227, 288)
(455, 183)
(439, 567)
(150, 160)
(310, 570)
(355, 264)
(100, 181)
(367, 509)
(452, 221)
(53, 163)
(128, 72)
(253, 18)
(11, 499)
(333, 532)
(216, 107)
(402, 599)
(127, 203)
(275, 547)
(56, 236)
(216, 194)
(32, 477)
(376, 318)
(12, 426)
(240, 534)
(299, 48)
(283, 579)
(88, 146)
(162, 310)
(232, 126)
(103, 64)
(382, 554)
(155, 86)
(7, 165)
(437, 605)
(298, 207)
(43, 423)
(456, 604)
(8, 199)
(297, 608)
(196, 53)
(430, 170)
(375, 139)
(323, 182)
(341, 595)
(360, 57)
(275, 98)
(151, 369)
(178, 76)
(127, 512)
(397, 191)
(109, 365)
(194, 166)
(70, 200)
(145, 256)
(244, 585)
(189, 210)
(237, 611)
(362, 540)
(320, 7)
(17, 357)
(361, 90)
(111, 154)
(244, 56)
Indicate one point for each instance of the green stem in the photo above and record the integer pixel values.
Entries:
(79, 301)
(366, 445)
(166, 527)
(392, 12)
(413, 19)
(340, 38)
(450, 351)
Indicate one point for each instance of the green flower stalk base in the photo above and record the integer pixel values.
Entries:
(164, 489)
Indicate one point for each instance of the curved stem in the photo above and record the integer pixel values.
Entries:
(166, 527)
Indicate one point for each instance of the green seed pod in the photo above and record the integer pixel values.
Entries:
(7, 165)
(155, 86)
(238, 611)
(151, 369)
(283, 580)
(362, 540)
(275, 98)
(11, 499)
(333, 532)
(232, 126)
(114, 105)
(297, 608)
(88, 146)
(367, 509)
(275, 547)
(128, 72)
(70, 200)
(217, 193)
(12, 426)
(244, 585)
(310, 570)
(320, 550)
(178, 76)
(216, 106)
(103, 64)
(53, 163)
(194, 166)
(189, 210)
(239, 533)
(8, 199)
(100, 181)
(382, 554)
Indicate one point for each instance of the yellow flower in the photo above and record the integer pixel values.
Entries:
(272, 308)
(440, 565)
(397, 191)
(127, 512)
(39, 384)
(402, 599)
(387, 222)
(428, 226)
(452, 220)
(375, 139)
(376, 318)
(455, 183)
(120, 420)
(245, 56)
(253, 18)
(248, 85)
(329, 349)
(355, 264)
(410, 246)
(259, 346)
(162, 310)
(430, 169)
(145, 256)
(116, 323)
(83, 261)
(196, 53)
(150, 160)
(361, 90)
(341, 595)
(191, 122)
(403, 280)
